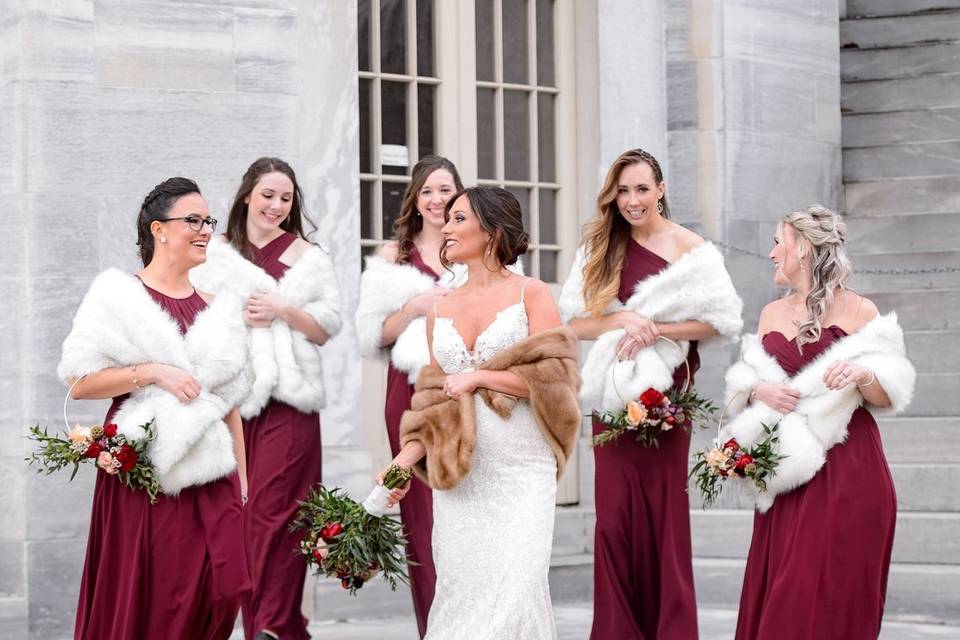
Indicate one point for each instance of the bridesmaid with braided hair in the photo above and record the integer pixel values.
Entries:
(167, 353)
(822, 363)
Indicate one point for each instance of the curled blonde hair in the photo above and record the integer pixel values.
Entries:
(605, 235)
(823, 235)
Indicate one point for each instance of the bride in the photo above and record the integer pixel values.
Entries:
(493, 420)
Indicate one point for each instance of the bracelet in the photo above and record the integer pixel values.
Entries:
(873, 378)
(753, 393)
(136, 381)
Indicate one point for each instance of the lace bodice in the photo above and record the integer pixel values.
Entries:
(509, 327)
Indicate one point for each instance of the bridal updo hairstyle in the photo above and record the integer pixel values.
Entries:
(156, 206)
(821, 234)
(236, 233)
(500, 216)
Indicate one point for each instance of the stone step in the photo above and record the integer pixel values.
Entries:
(920, 537)
(14, 618)
(900, 31)
(935, 351)
(901, 127)
(936, 394)
(904, 196)
(923, 486)
(913, 160)
(923, 440)
(916, 233)
(864, 281)
(933, 91)
(899, 62)
(874, 8)
(919, 592)
(922, 309)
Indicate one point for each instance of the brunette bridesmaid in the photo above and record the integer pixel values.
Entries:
(397, 289)
(174, 569)
(643, 575)
(292, 308)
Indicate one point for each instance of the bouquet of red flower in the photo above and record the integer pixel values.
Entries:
(653, 413)
(730, 460)
(343, 541)
(102, 445)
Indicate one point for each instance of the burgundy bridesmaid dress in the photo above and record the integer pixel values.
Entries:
(643, 571)
(174, 569)
(416, 508)
(819, 559)
(283, 463)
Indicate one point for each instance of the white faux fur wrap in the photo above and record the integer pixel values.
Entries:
(821, 416)
(384, 288)
(118, 324)
(285, 365)
(695, 287)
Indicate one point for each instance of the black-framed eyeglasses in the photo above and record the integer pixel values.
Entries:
(196, 222)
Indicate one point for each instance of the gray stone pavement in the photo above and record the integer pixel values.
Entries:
(573, 623)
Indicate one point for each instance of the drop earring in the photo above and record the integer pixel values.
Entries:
(659, 206)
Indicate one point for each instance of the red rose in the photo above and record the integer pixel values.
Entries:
(343, 573)
(731, 444)
(93, 450)
(651, 398)
(345, 583)
(110, 430)
(127, 457)
(744, 461)
(331, 530)
(317, 556)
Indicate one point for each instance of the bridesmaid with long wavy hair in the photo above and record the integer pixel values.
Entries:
(397, 289)
(292, 308)
(643, 574)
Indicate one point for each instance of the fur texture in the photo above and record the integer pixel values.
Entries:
(118, 324)
(695, 287)
(546, 362)
(821, 417)
(384, 288)
(283, 363)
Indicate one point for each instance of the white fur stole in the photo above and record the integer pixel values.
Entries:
(118, 324)
(695, 287)
(284, 364)
(821, 417)
(384, 288)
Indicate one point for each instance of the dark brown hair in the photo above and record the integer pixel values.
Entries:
(236, 233)
(500, 215)
(156, 206)
(409, 222)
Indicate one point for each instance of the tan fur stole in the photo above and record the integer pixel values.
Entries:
(546, 362)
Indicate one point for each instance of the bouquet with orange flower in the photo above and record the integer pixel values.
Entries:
(653, 413)
(726, 460)
(344, 541)
(102, 445)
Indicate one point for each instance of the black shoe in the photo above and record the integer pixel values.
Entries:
(263, 635)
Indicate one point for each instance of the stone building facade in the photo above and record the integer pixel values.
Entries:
(101, 99)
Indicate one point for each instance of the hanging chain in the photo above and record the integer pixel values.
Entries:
(904, 271)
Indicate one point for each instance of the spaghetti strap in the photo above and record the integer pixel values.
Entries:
(523, 289)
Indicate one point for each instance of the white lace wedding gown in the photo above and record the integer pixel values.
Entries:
(493, 532)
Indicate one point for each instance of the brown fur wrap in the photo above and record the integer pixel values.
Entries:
(447, 427)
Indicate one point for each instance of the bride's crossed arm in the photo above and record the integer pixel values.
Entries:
(542, 315)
